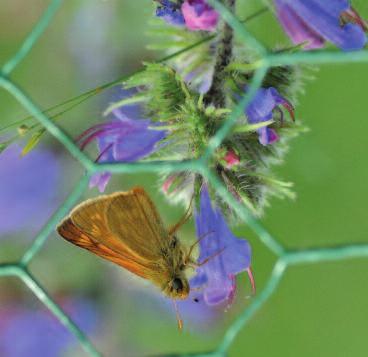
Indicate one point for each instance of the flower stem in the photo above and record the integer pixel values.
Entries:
(215, 95)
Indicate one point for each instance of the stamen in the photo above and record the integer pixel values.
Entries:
(90, 138)
(251, 279)
(107, 148)
(232, 291)
(281, 113)
(289, 107)
(353, 15)
(90, 131)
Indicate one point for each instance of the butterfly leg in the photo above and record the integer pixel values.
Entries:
(189, 255)
(197, 265)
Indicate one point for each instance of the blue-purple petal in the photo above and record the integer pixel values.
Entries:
(137, 145)
(297, 29)
(41, 334)
(121, 140)
(100, 180)
(261, 107)
(267, 136)
(28, 190)
(170, 12)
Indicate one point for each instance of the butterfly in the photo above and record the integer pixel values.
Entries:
(126, 229)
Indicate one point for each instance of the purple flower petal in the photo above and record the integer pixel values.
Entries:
(227, 255)
(138, 144)
(267, 136)
(297, 29)
(121, 140)
(28, 189)
(170, 12)
(260, 109)
(41, 333)
(100, 180)
(261, 106)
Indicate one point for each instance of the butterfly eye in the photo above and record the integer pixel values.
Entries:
(177, 284)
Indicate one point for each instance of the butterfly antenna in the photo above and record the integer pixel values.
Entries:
(196, 243)
(183, 220)
(178, 318)
(103, 152)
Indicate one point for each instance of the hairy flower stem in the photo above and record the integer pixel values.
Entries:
(215, 95)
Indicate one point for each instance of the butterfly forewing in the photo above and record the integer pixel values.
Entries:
(133, 217)
(124, 228)
(90, 217)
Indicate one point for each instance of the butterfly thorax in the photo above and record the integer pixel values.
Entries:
(176, 285)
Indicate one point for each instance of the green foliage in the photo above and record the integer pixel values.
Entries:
(197, 65)
(33, 141)
(162, 90)
(168, 100)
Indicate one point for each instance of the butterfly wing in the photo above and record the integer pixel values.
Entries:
(132, 215)
(90, 217)
(88, 227)
(68, 230)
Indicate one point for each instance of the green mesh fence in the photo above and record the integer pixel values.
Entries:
(285, 258)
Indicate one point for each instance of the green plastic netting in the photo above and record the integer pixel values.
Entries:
(285, 258)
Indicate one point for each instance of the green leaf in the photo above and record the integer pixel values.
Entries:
(139, 98)
(164, 91)
(33, 141)
(3, 146)
(251, 127)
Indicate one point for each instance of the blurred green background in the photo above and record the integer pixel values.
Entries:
(318, 310)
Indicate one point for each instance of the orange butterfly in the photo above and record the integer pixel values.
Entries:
(125, 228)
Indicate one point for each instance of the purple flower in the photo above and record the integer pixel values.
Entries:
(224, 255)
(199, 15)
(120, 140)
(28, 189)
(317, 21)
(170, 12)
(260, 109)
(38, 333)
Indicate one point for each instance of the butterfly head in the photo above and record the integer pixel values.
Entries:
(177, 288)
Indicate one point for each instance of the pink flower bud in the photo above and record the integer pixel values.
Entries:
(198, 15)
(231, 159)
